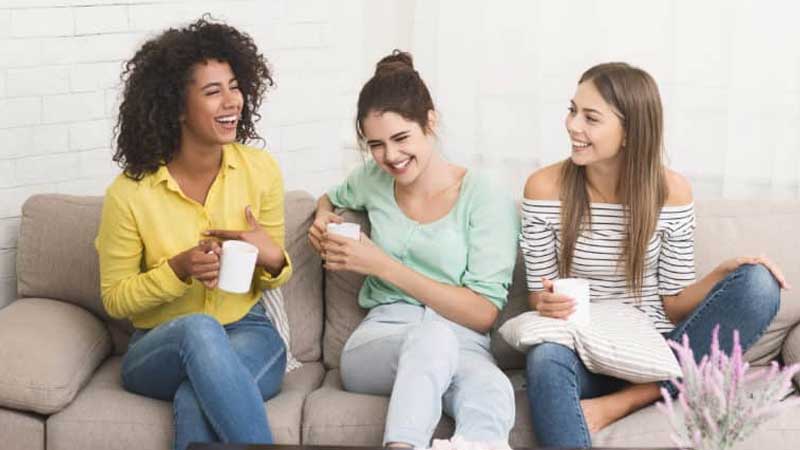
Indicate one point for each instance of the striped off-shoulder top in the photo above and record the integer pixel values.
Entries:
(669, 262)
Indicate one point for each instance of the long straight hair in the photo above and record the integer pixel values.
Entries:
(641, 186)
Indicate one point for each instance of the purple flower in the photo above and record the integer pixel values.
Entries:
(720, 402)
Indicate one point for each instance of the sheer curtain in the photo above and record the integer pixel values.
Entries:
(502, 73)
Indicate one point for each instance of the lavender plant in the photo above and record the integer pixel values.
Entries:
(721, 402)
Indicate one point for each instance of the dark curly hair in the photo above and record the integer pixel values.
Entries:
(148, 131)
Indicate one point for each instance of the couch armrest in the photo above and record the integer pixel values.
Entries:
(791, 351)
(48, 351)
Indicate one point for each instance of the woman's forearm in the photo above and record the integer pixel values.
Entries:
(456, 303)
(678, 307)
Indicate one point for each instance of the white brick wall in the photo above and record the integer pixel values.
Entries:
(20, 52)
(60, 62)
(89, 135)
(95, 76)
(102, 19)
(36, 22)
(8, 290)
(5, 23)
(67, 107)
(2, 84)
(94, 48)
(500, 73)
(15, 112)
(37, 81)
(9, 229)
(727, 70)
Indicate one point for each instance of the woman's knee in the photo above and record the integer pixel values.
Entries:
(549, 360)
(549, 370)
(494, 384)
(549, 353)
(199, 332)
(257, 343)
(759, 292)
(433, 342)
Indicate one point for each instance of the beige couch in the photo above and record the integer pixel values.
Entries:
(60, 353)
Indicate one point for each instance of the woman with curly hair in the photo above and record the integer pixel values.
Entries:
(191, 96)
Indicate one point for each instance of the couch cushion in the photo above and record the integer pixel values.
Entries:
(333, 416)
(727, 228)
(507, 357)
(21, 431)
(56, 256)
(791, 351)
(49, 350)
(303, 293)
(650, 428)
(342, 313)
(105, 416)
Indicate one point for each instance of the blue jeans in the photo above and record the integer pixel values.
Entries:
(216, 376)
(747, 300)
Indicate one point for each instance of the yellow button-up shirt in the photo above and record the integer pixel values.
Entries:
(145, 223)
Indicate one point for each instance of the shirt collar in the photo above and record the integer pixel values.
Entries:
(161, 175)
(229, 160)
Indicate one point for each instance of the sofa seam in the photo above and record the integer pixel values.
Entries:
(344, 426)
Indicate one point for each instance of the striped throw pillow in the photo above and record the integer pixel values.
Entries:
(620, 341)
(273, 304)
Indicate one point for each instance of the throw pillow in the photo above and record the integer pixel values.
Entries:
(620, 341)
(273, 304)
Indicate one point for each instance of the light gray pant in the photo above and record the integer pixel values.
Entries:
(428, 363)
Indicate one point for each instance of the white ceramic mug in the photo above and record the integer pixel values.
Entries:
(346, 229)
(578, 290)
(236, 266)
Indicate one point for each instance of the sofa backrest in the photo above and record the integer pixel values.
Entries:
(56, 259)
(728, 228)
(342, 313)
(725, 229)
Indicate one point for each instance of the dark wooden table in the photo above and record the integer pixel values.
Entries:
(336, 447)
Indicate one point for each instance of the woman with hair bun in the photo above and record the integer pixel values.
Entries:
(190, 99)
(437, 269)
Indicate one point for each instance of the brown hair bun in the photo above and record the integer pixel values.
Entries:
(397, 61)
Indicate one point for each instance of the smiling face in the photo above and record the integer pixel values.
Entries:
(213, 105)
(595, 127)
(399, 146)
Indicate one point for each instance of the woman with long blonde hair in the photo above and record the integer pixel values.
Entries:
(614, 214)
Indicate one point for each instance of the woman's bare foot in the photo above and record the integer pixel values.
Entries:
(601, 412)
(605, 410)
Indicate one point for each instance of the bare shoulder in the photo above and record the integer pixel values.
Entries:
(680, 191)
(543, 184)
